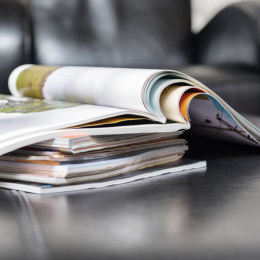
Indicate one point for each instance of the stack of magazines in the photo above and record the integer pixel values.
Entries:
(72, 128)
(79, 161)
(89, 158)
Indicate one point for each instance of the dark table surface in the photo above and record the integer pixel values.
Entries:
(212, 214)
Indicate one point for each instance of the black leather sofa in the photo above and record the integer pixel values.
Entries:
(205, 215)
(150, 34)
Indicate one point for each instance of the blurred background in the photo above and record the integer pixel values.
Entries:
(204, 10)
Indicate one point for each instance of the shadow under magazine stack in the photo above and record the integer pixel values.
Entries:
(71, 128)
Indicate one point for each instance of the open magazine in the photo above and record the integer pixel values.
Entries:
(168, 100)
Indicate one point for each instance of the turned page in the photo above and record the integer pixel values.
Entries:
(113, 87)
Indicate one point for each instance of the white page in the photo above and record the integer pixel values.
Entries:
(16, 126)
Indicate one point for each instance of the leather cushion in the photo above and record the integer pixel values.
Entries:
(148, 33)
(15, 39)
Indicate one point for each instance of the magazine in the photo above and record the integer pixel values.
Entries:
(47, 98)
(179, 167)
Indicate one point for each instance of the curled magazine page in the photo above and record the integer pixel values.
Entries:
(114, 87)
(172, 103)
(126, 88)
